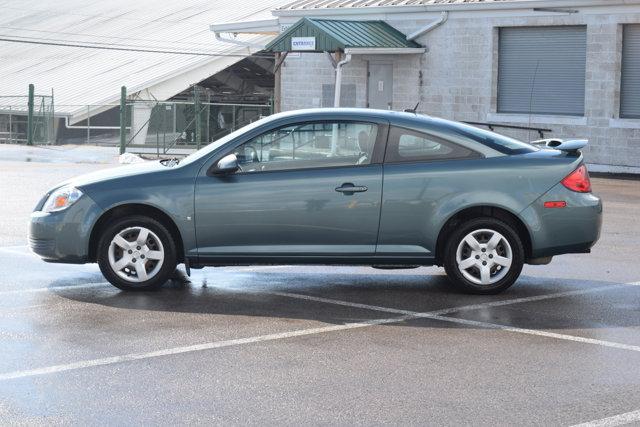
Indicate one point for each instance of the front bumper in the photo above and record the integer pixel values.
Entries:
(64, 236)
(572, 229)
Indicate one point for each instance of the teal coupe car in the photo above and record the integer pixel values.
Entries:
(333, 187)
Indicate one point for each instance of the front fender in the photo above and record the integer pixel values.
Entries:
(171, 194)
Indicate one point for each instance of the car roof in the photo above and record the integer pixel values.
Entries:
(418, 122)
(389, 115)
(407, 119)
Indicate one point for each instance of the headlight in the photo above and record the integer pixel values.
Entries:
(61, 199)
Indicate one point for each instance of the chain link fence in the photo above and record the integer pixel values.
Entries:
(14, 119)
(150, 127)
(165, 127)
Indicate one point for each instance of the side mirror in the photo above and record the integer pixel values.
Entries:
(227, 164)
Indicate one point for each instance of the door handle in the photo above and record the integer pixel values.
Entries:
(348, 189)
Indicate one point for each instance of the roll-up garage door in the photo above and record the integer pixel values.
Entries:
(541, 70)
(630, 88)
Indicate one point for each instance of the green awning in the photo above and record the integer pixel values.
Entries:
(328, 35)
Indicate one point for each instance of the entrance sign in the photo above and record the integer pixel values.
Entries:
(303, 43)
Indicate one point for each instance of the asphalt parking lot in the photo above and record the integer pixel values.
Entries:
(317, 345)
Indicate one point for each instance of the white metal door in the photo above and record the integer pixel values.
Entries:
(380, 86)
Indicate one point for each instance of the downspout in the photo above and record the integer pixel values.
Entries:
(336, 102)
(339, 65)
(430, 26)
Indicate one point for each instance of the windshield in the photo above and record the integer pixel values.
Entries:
(205, 151)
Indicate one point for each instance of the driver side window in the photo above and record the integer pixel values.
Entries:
(309, 145)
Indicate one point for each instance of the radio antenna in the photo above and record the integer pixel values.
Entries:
(533, 85)
(412, 110)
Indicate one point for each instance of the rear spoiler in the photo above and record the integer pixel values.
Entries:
(571, 146)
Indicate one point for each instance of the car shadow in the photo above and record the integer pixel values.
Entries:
(256, 294)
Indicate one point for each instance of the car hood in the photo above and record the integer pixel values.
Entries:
(114, 173)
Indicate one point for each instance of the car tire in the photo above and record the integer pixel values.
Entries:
(483, 256)
(137, 253)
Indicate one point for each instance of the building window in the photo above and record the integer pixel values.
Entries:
(541, 70)
(630, 83)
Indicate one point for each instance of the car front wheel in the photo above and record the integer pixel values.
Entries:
(137, 253)
(484, 256)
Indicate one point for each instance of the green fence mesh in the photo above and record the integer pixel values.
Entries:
(14, 119)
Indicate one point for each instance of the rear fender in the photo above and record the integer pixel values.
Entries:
(506, 204)
(575, 226)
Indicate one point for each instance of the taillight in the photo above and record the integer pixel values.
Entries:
(578, 180)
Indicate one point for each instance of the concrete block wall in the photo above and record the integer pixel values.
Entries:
(457, 79)
(303, 77)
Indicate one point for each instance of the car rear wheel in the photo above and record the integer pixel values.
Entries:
(137, 253)
(484, 256)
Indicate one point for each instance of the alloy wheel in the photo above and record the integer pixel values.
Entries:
(484, 257)
(136, 254)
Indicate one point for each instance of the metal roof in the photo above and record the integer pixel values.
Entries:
(81, 76)
(331, 4)
(332, 35)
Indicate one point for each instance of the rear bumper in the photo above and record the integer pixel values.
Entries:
(64, 236)
(572, 229)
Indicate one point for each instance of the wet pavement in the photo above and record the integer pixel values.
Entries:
(317, 345)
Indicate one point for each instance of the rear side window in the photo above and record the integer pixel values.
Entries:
(406, 145)
(498, 142)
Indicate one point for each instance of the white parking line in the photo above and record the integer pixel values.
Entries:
(405, 315)
(18, 250)
(193, 348)
(24, 307)
(54, 288)
(616, 420)
(461, 308)
(537, 333)
(541, 297)
(437, 315)
(99, 284)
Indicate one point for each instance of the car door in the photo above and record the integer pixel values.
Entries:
(419, 172)
(305, 189)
